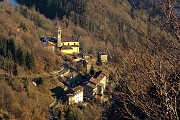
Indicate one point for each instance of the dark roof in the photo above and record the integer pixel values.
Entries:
(102, 53)
(48, 43)
(48, 39)
(69, 40)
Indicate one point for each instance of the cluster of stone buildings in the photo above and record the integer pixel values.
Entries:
(96, 85)
(94, 88)
(69, 46)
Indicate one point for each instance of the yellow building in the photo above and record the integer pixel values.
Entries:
(67, 45)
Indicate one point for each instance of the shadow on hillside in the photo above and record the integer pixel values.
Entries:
(57, 92)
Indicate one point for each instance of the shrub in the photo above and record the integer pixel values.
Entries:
(23, 26)
(40, 81)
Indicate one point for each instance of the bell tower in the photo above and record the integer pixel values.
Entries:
(59, 37)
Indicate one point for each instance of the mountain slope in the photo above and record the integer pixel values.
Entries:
(144, 57)
(20, 98)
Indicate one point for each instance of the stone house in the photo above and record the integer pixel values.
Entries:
(103, 58)
(96, 85)
(75, 95)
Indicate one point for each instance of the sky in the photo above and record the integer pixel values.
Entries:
(13, 2)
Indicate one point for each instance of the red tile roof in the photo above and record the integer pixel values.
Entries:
(94, 80)
(91, 85)
(78, 88)
(100, 77)
(105, 73)
(69, 40)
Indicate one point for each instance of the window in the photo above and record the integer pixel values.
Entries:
(74, 43)
(68, 43)
(59, 32)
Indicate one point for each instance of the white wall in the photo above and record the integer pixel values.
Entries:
(78, 97)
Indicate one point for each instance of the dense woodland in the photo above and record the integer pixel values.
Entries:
(143, 50)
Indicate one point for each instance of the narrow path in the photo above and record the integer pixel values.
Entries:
(57, 74)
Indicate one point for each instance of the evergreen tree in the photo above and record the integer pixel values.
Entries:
(69, 115)
(60, 8)
(9, 54)
(13, 49)
(20, 56)
(40, 81)
(15, 70)
(92, 70)
(23, 26)
(29, 61)
(3, 47)
(133, 13)
(98, 62)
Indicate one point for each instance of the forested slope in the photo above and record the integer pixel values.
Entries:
(143, 49)
(22, 57)
(144, 55)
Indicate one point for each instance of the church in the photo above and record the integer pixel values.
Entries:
(67, 45)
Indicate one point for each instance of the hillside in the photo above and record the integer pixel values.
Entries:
(19, 36)
(143, 54)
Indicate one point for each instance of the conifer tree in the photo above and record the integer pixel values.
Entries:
(9, 54)
(29, 61)
(12, 48)
(92, 70)
(15, 70)
(99, 63)
(3, 47)
(69, 114)
(20, 56)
